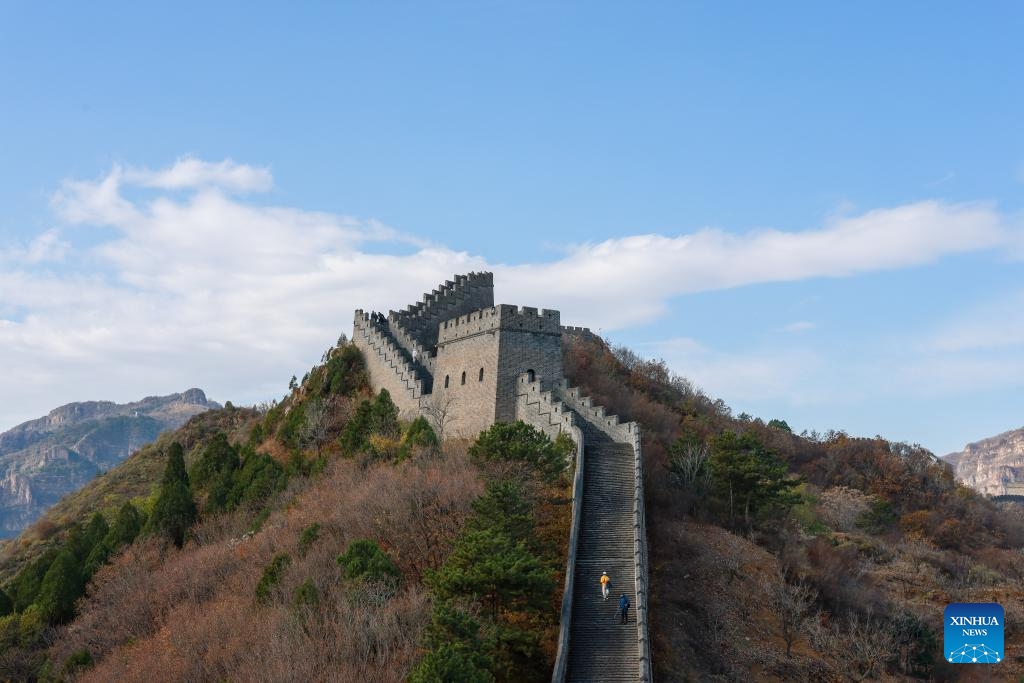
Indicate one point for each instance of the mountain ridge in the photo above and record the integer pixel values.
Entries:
(43, 459)
(993, 465)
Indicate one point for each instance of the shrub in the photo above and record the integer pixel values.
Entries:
(309, 536)
(878, 518)
(419, 435)
(365, 560)
(523, 448)
(272, 575)
(306, 594)
(79, 659)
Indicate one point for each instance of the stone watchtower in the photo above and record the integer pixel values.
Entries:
(455, 351)
(464, 362)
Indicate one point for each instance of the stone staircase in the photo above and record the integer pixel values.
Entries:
(600, 648)
(378, 338)
(608, 534)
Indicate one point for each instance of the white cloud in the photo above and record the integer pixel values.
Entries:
(629, 280)
(202, 288)
(800, 326)
(46, 247)
(189, 173)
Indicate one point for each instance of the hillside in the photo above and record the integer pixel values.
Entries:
(994, 466)
(838, 561)
(44, 459)
(319, 538)
(833, 562)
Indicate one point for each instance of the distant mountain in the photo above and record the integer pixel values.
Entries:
(43, 459)
(994, 465)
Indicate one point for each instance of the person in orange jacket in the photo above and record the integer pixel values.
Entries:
(605, 583)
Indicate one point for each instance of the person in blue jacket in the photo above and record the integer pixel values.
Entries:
(624, 609)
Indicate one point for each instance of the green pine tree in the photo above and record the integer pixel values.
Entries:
(502, 507)
(95, 532)
(6, 604)
(126, 527)
(518, 442)
(489, 566)
(175, 510)
(219, 456)
(384, 416)
(749, 478)
(357, 429)
(451, 663)
(61, 586)
(25, 587)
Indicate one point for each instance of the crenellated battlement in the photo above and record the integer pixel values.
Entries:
(390, 365)
(581, 333)
(419, 322)
(465, 363)
(501, 317)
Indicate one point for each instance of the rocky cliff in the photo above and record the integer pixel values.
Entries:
(994, 465)
(43, 459)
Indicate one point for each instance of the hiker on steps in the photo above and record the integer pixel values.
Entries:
(624, 609)
(605, 584)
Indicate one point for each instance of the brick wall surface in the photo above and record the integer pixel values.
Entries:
(471, 404)
(457, 329)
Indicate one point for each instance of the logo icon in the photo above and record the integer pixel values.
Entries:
(973, 633)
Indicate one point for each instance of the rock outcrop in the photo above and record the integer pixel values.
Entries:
(994, 465)
(44, 459)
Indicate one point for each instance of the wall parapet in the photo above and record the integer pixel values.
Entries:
(627, 433)
(418, 354)
(541, 409)
(370, 330)
(466, 293)
(500, 317)
(582, 333)
(621, 432)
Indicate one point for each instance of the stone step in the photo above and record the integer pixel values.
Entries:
(601, 648)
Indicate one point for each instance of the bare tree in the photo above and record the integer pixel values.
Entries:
(841, 506)
(791, 604)
(317, 426)
(689, 465)
(441, 413)
(870, 642)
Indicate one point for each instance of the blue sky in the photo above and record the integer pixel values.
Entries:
(811, 210)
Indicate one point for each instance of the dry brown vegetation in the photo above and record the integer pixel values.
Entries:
(847, 583)
(855, 577)
(158, 613)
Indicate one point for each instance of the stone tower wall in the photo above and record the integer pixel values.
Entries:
(471, 403)
(387, 364)
(530, 340)
(504, 341)
(418, 324)
(479, 351)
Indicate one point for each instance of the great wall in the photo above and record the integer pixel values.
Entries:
(466, 363)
